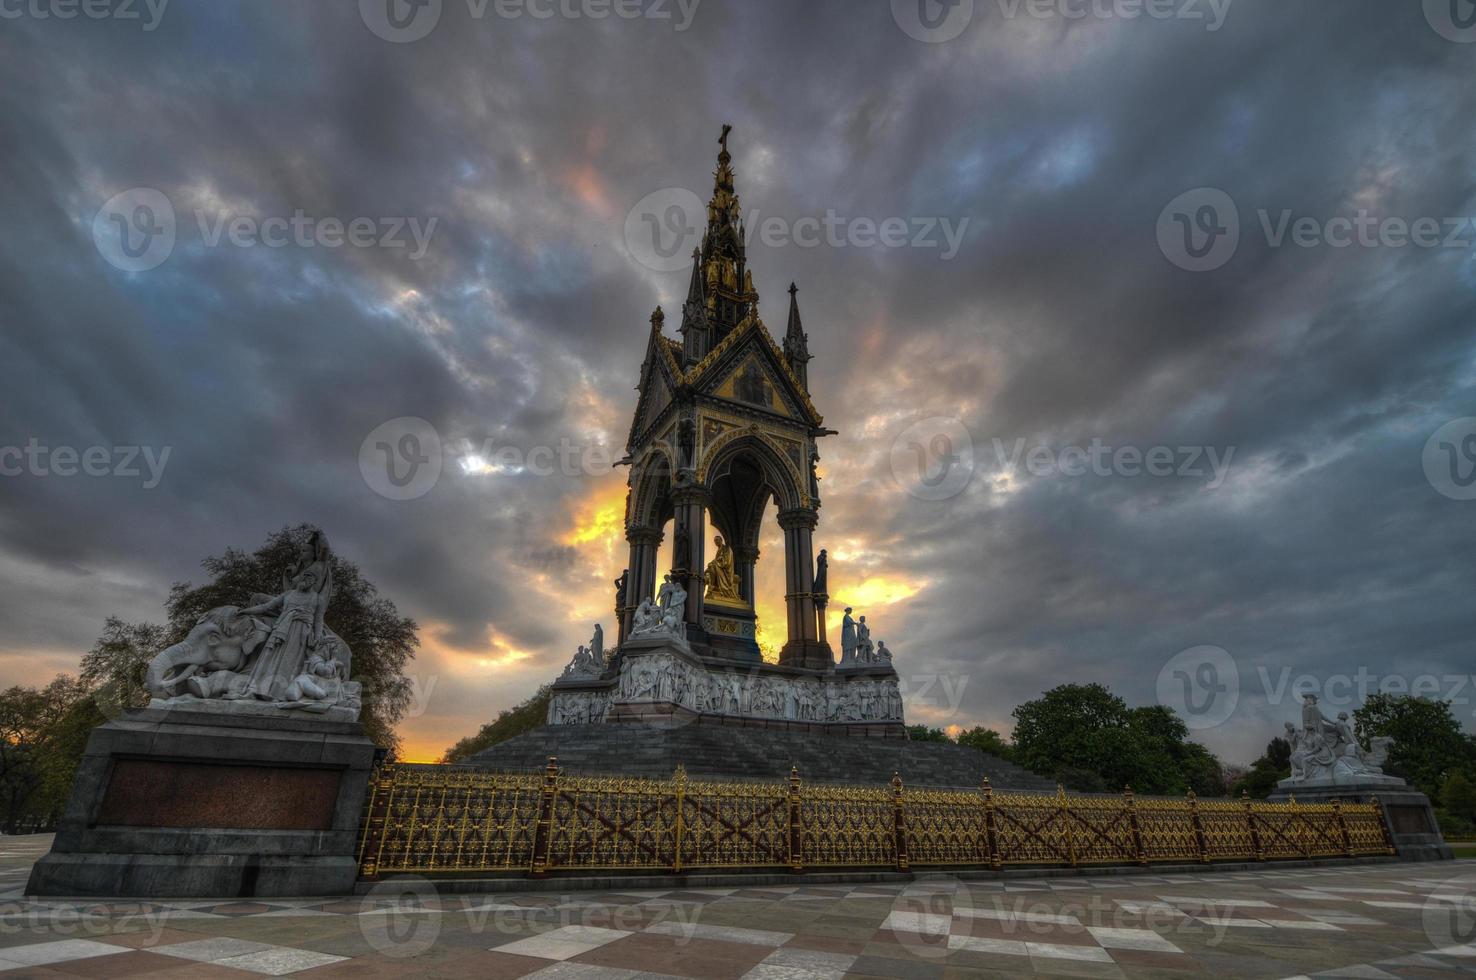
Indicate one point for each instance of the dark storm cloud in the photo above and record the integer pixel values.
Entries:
(527, 141)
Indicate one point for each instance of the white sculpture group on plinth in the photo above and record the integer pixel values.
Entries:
(275, 654)
(857, 649)
(589, 661)
(1325, 751)
(663, 616)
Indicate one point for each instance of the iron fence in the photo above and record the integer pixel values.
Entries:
(443, 820)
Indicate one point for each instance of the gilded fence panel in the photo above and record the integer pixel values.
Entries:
(1322, 833)
(436, 818)
(1281, 830)
(613, 824)
(1167, 830)
(1227, 831)
(842, 826)
(735, 825)
(1101, 830)
(1365, 823)
(945, 828)
(1031, 829)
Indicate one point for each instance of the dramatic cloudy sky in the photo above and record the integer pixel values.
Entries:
(1335, 542)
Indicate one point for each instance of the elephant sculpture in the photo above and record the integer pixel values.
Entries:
(222, 639)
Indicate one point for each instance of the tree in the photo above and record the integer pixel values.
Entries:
(1458, 796)
(1085, 728)
(28, 733)
(509, 723)
(988, 741)
(922, 733)
(114, 667)
(1273, 766)
(383, 642)
(1429, 744)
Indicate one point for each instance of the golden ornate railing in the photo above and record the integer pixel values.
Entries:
(444, 820)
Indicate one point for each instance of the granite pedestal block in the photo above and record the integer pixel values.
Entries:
(1407, 812)
(179, 803)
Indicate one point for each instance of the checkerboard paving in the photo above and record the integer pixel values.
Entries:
(1379, 920)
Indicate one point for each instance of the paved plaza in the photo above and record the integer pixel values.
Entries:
(1384, 920)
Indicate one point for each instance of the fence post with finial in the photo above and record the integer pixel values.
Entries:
(1132, 815)
(899, 817)
(543, 833)
(796, 831)
(991, 831)
(1201, 845)
(1250, 821)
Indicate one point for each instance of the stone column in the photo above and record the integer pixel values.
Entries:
(744, 560)
(804, 648)
(644, 541)
(690, 505)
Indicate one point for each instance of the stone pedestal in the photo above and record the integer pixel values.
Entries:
(1407, 811)
(173, 802)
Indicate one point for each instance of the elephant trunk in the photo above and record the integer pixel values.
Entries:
(164, 661)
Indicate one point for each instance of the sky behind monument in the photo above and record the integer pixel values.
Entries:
(1015, 233)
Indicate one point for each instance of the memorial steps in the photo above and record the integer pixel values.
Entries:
(723, 752)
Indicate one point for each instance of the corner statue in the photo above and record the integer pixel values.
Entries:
(273, 655)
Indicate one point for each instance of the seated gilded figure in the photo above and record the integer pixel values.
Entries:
(720, 577)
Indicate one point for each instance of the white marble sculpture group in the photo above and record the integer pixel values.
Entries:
(664, 616)
(272, 656)
(1325, 751)
(857, 649)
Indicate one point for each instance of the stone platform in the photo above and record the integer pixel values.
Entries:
(1407, 811)
(709, 750)
(178, 803)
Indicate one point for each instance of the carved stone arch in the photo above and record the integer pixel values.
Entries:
(651, 481)
(749, 444)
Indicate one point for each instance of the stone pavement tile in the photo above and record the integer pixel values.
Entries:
(838, 927)
(56, 951)
(807, 962)
(827, 944)
(1135, 939)
(563, 943)
(673, 956)
(1136, 961)
(1077, 968)
(734, 934)
(279, 960)
(871, 965)
(463, 965)
(151, 938)
(130, 963)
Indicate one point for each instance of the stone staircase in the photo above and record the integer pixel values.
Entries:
(741, 754)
